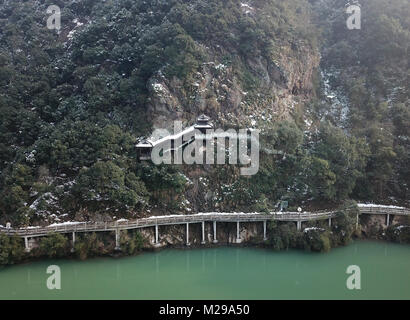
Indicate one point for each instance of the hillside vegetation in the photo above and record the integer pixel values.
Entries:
(74, 102)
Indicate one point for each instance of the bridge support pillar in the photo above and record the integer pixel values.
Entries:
(203, 232)
(117, 239)
(357, 221)
(156, 234)
(299, 224)
(388, 219)
(187, 234)
(264, 231)
(215, 241)
(238, 236)
(330, 222)
(26, 245)
(72, 248)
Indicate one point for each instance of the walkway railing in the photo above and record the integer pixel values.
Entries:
(383, 210)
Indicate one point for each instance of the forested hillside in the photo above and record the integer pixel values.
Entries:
(333, 103)
(370, 73)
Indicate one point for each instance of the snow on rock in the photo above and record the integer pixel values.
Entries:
(64, 223)
(339, 102)
(77, 24)
(247, 8)
(45, 199)
(313, 228)
(220, 66)
(187, 180)
(158, 88)
(31, 157)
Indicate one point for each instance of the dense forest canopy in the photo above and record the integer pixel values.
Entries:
(74, 101)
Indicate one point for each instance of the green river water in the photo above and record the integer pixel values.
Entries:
(220, 273)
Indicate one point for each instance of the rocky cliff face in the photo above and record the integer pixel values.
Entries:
(284, 82)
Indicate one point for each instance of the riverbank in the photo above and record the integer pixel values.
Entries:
(337, 229)
(281, 242)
